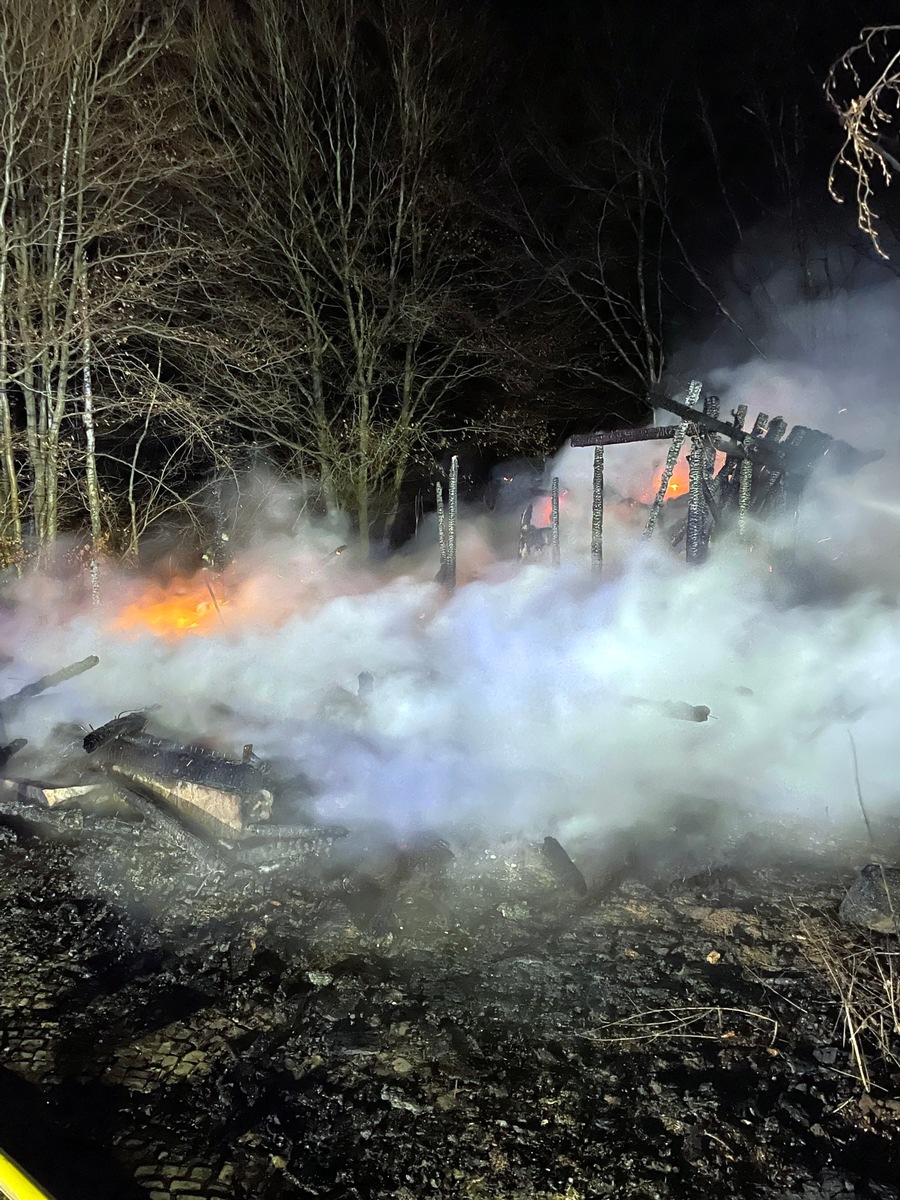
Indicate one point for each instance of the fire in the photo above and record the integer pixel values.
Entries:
(185, 606)
(542, 509)
(679, 484)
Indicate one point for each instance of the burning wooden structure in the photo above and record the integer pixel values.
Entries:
(763, 471)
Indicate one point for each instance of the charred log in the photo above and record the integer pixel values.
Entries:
(13, 747)
(128, 725)
(562, 866)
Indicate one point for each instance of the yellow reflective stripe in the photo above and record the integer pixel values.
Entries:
(16, 1185)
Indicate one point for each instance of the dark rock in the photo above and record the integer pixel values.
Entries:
(873, 900)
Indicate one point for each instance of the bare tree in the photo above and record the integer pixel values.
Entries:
(342, 114)
(863, 88)
(95, 260)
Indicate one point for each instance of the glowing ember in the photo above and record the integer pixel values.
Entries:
(186, 606)
(542, 508)
(678, 484)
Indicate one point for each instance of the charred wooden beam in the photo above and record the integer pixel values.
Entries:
(680, 433)
(7, 703)
(128, 725)
(622, 437)
(13, 747)
(168, 825)
(695, 549)
(678, 710)
(766, 448)
(283, 845)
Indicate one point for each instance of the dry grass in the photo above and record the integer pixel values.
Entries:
(704, 1023)
(864, 973)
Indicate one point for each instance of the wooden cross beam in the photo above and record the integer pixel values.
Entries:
(620, 437)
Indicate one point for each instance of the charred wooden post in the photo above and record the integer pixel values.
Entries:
(453, 501)
(747, 473)
(768, 484)
(668, 469)
(696, 518)
(217, 555)
(695, 387)
(711, 410)
(554, 521)
(441, 523)
(597, 512)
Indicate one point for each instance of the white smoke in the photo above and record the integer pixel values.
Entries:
(512, 703)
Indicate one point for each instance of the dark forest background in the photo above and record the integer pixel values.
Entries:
(344, 238)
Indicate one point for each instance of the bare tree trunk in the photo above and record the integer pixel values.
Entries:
(93, 487)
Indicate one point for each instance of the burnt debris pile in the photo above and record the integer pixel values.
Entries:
(485, 1020)
(737, 474)
(220, 1004)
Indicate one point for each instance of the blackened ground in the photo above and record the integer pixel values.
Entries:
(419, 1026)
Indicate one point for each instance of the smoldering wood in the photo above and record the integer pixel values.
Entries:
(170, 828)
(764, 446)
(192, 764)
(677, 710)
(554, 521)
(695, 387)
(562, 866)
(282, 845)
(11, 749)
(126, 725)
(8, 703)
(597, 512)
(680, 433)
(707, 472)
(532, 540)
(442, 532)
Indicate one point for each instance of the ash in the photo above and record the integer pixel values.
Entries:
(476, 1019)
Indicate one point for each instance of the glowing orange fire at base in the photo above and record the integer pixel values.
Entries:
(679, 484)
(186, 606)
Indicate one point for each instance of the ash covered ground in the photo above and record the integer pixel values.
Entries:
(414, 1024)
(569, 946)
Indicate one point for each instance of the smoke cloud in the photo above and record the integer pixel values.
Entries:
(527, 702)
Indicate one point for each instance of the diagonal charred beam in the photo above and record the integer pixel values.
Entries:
(48, 681)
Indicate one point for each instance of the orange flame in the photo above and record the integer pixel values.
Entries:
(542, 510)
(678, 484)
(186, 606)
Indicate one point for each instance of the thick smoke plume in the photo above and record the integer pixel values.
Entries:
(516, 704)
